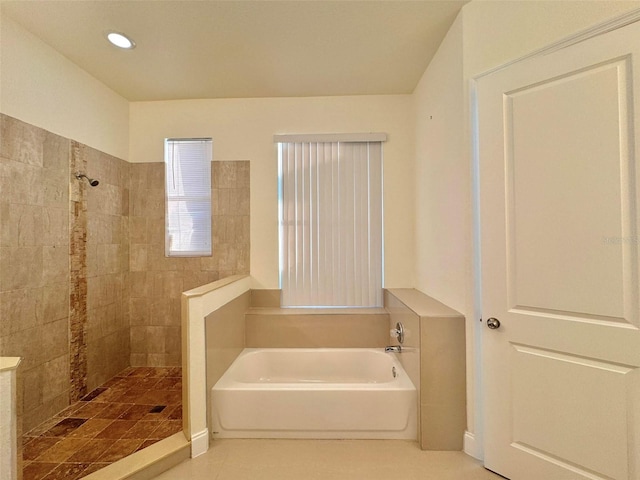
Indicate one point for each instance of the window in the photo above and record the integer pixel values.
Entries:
(188, 199)
(330, 202)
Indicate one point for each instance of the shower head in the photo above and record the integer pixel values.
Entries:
(93, 182)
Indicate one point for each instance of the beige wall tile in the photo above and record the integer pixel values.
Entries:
(8, 235)
(30, 224)
(410, 357)
(225, 338)
(163, 360)
(22, 179)
(55, 153)
(19, 310)
(243, 198)
(138, 340)
(154, 339)
(138, 230)
(22, 267)
(172, 343)
(443, 394)
(20, 141)
(138, 360)
(155, 203)
(228, 175)
(443, 360)
(242, 259)
(155, 231)
(55, 339)
(219, 229)
(55, 378)
(242, 174)
(227, 257)
(167, 284)
(56, 226)
(116, 229)
(26, 344)
(215, 201)
(160, 311)
(210, 264)
(138, 203)
(55, 195)
(55, 302)
(140, 311)
(124, 258)
(26, 225)
(158, 262)
(33, 385)
(156, 360)
(265, 298)
(156, 175)
(444, 426)
(22, 225)
(55, 262)
(140, 284)
(224, 202)
(109, 258)
(97, 229)
(292, 329)
(124, 209)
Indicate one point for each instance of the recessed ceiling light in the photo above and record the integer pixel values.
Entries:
(120, 40)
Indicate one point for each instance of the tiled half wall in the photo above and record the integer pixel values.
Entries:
(435, 361)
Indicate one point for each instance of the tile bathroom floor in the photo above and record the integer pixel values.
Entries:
(133, 410)
(326, 460)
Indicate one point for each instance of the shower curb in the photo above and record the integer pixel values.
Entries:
(147, 463)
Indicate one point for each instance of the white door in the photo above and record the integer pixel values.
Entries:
(559, 163)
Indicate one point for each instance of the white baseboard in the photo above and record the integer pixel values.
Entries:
(472, 446)
(199, 443)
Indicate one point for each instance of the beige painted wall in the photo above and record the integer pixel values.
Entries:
(41, 87)
(243, 129)
(444, 255)
(443, 214)
(486, 34)
(496, 31)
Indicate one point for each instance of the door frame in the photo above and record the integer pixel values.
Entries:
(474, 442)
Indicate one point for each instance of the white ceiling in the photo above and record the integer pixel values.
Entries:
(230, 49)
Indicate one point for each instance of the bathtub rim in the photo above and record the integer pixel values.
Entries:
(400, 382)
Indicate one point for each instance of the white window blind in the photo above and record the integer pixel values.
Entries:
(188, 197)
(331, 223)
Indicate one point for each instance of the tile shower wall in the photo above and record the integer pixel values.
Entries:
(77, 261)
(156, 281)
(63, 264)
(107, 267)
(34, 265)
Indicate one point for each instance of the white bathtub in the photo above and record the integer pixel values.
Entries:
(314, 393)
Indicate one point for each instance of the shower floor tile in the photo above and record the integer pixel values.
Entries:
(133, 410)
